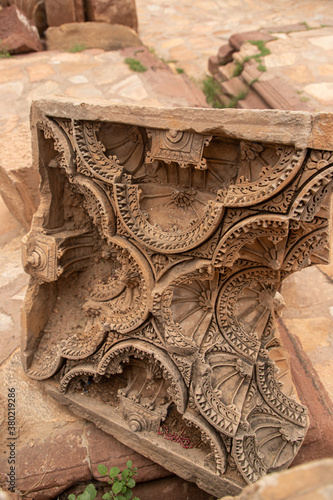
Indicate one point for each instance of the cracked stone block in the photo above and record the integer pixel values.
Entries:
(156, 259)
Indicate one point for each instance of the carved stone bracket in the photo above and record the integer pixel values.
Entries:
(156, 259)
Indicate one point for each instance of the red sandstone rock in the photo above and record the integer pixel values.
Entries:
(113, 11)
(17, 33)
(33, 9)
(224, 54)
(213, 64)
(64, 11)
(238, 39)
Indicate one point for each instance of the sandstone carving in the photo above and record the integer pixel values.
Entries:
(156, 258)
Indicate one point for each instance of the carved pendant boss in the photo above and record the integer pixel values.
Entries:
(156, 257)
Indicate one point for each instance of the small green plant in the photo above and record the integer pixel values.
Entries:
(261, 67)
(88, 494)
(78, 47)
(238, 68)
(180, 70)
(4, 52)
(210, 88)
(264, 51)
(135, 64)
(121, 483)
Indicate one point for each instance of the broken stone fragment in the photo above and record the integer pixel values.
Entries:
(113, 11)
(17, 33)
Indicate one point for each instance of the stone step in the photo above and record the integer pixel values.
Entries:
(234, 87)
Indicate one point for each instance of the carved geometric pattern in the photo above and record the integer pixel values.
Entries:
(156, 259)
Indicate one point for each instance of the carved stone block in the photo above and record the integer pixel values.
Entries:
(156, 259)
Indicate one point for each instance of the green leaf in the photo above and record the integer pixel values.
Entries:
(85, 496)
(130, 483)
(116, 479)
(125, 473)
(114, 471)
(106, 496)
(116, 488)
(102, 470)
(128, 494)
(120, 497)
(72, 497)
(123, 489)
(91, 490)
(136, 498)
(129, 464)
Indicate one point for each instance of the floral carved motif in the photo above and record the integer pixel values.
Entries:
(156, 259)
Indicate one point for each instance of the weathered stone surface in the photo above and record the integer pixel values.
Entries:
(33, 9)
(224, 54)
(17, 33)
(113, 11)
(170, 340)
(305, 482)
(91, 35)
(18, 179)
(64, 11)
(213, 64)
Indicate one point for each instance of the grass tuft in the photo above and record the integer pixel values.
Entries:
(210, 88)
(135, 65)
(78, 47)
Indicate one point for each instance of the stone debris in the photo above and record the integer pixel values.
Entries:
(17, 33)
(113, 11)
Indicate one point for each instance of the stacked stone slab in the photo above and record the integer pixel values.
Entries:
(238, 75)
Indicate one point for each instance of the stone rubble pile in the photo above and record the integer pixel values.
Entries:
(239, 74)
(23, 25)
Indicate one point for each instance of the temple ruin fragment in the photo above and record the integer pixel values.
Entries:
(156, 258)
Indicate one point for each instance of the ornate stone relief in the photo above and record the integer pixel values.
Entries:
(156, 259)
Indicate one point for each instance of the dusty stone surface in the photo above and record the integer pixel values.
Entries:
(113, 11)
(91, 35)
(312, 480)
(17, 34)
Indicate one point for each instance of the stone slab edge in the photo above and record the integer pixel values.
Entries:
(155, 449)
(300, 129)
